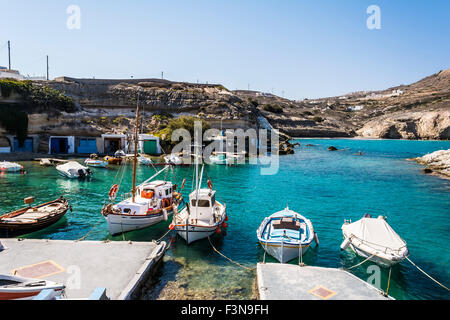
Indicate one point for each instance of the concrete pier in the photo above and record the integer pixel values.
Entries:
(291, 282)
(120, 267)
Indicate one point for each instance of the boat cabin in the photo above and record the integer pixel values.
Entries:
(203, 206)
(157, 189)
(151, 196)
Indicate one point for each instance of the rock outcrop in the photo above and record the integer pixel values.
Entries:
(438, 161)
(409, 125)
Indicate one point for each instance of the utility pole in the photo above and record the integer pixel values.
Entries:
(9, 54)
(162, 74)
(47, 68)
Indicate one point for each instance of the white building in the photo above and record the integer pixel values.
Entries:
(14, 74)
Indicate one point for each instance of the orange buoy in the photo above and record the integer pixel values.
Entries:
(226, 218)
(218, 231)
(224, 225)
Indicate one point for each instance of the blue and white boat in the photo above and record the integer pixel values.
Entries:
(286, 235)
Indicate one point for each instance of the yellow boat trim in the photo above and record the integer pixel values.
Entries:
(285, 246)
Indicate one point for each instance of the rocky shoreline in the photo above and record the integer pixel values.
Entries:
(437, 162)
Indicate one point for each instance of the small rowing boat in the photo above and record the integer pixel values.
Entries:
(30, 219)
(374, 239)
(173, 159)
(286, 235)
(96, 163)
(6, 166)
(144, 160)
(18, 288)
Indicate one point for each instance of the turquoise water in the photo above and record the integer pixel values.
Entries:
(327, 187)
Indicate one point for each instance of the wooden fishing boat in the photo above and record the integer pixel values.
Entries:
(33, 218)
(113, 160)
(6, 166)
(286, 235)
(96, 163)
(203, 215)
(147, 204)
(18, 288)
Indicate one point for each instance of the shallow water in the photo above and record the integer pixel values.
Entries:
(327, 187)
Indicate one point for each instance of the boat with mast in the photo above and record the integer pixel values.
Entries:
(203, 215)
(147, 204)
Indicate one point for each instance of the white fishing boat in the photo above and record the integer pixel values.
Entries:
(73, 170)
(226, 158)
(96, 163)
(286, 235)
(203, 215)
(374, 238)
(18, 288)
(147, 204)
(6, 166)
(173, 159)
(144, 160)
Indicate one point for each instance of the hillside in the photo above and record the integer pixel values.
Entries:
(89, 107)
(416, 111)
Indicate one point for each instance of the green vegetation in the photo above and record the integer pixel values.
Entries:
(183, 122)
(15, 122)
(318, 119)
(253, 102)
(274, 108)
(37, 97)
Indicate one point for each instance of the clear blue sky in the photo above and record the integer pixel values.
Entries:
(305, 48)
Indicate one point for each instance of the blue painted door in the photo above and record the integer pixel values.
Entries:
(27, 146)
(59, 145)
(88, 145)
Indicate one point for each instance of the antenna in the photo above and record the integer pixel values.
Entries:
(47, 68)
(9, 54)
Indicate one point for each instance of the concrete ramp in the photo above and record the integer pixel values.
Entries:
(120, 267)
(291, 282)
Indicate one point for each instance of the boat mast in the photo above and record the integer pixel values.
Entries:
(133, 190)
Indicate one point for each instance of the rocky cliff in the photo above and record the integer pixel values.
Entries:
(417, 111)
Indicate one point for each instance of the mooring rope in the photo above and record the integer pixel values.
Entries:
(85, 236)
(356, 265)
(427, 274)
(389, 282)
(232, 261)
(165, 234)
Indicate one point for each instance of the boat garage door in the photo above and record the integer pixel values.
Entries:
(59, 145)
(26, 147)
(87, 145)
(150, 147)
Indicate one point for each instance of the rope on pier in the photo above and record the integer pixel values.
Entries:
(356, 265)
(232, 261)
(165, 234)
(428, 275)
(85, 236)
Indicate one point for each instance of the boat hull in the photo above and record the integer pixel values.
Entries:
(9, 229)
(120, 223)
(17, 288)
(286, 252)
(195, 233)
(386, 263)
(97, 164)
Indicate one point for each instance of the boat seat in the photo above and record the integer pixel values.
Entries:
(286, 223)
